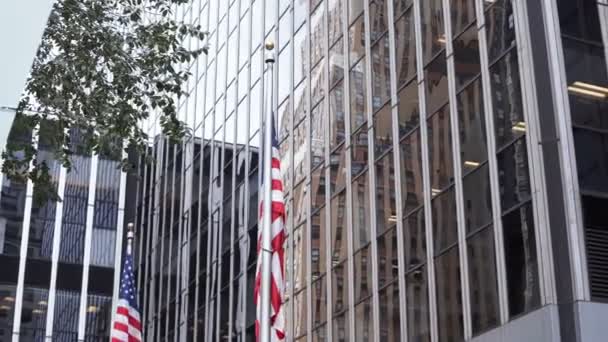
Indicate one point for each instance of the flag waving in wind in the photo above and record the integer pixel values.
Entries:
(127, 323)
(277, 214)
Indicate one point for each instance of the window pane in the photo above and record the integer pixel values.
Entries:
(405, 48)
(445, 224)
(500, 28)
(436, 80)
(417, 298)
(414, 237)
(477, 198)
(482, 279)
(338, 227)
(381, 77)
(378, 18)
(433, 35)
(388, 264)
(361, 217)
(359, 151)
(364, 329)
(409, 116)
(521, 263)
(337, 171)
(319, 298)
(449, 300)
(386, 208)
(336, 116)
(341, 328)
(383, 130)
(513, 175)
(506, 99)
(472, 127)
(363, 273)
(411, 172)
(390, 329)
(317, 244)
(339, 287)
(463, 13)
(299, 313)
(358, 93)
(466, 56)
(440, 150)
(592, 166)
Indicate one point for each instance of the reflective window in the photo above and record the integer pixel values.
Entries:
(388, 260)
(440, 150)
(341, 328)
(409, 116)
(319, 300)
(417, 297)
(386, 209)
(592, 166)
(361, 217)
(463, 14)
(509, 120)
(500, 28)
(477, 199)
(381, 85)
(436, 80)
(359, 151)
(466, 56)
(483, 282)
(521, 262)
(363, 273)
(405, 48)
(338, 227)
(317, 34)
(318, 121)
(411, 172)
(383, 130)
(318, 247)
(33, 315)
(445, 225)
(390, 329)
(364, 329)
(378, 18)
(337, 170)
(336, 115)
(414, 237)
(433, 34)
(335, 19)
(67, 304)
(471, 122)
(7, 308)
(340, 287)
(449, 300)
(514, 175)
(358, 94)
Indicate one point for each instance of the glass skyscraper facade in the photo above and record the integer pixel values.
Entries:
(57, 258)
(445, 167)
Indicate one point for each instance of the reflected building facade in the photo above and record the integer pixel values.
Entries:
(436, 170)
(58, 257)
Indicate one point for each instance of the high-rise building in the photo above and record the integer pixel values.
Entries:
(445, 168)
(58, 257)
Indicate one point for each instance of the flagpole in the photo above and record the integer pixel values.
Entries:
(267, 181)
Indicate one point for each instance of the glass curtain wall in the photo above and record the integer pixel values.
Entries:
(403, 144)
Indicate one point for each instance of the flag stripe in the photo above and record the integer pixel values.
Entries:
(277, 215)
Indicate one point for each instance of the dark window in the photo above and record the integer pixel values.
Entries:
(405, 48)
(418, 305)
(436, 81)
(440, 150)
(449, 316)
(472, 127)
(477, 199)
(445, 226)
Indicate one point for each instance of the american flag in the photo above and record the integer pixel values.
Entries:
(127, 322)
(277, 323)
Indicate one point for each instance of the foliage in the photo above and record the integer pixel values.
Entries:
(102, 68)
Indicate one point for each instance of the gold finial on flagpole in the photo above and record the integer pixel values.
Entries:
(269, 45)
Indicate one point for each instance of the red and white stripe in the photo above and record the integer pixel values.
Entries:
(277, 289)
(127, 323)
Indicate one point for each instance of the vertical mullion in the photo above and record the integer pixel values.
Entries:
(289, 327)
(327, 174)
(544, 250)
(430, 253)
(457, 162)
(307, 169)
(371, 174)
(87, 247)
(492, 165)
(25, 233)
(398, 179)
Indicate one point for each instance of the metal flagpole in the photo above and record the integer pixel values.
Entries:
(267, 229)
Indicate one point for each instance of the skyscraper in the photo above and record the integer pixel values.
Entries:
(444, 163)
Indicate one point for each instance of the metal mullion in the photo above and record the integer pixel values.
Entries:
(179, 291)
(146, 285)
(458, 181)
(172, 214)
(371, 174)
(138, 198)
(25, 233)
(153, 219)
(544, 250)
(426, 174)
(348, 186)
(87, 247)
(55, 255)
(201, 177)
(289, 327)
(327, 171)
(212, 158)
(162, 219)
(398, 179)
(492, 166)
(233, 235)
(307, 167)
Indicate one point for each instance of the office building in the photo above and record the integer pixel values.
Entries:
(445, 166)
(58, 257)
